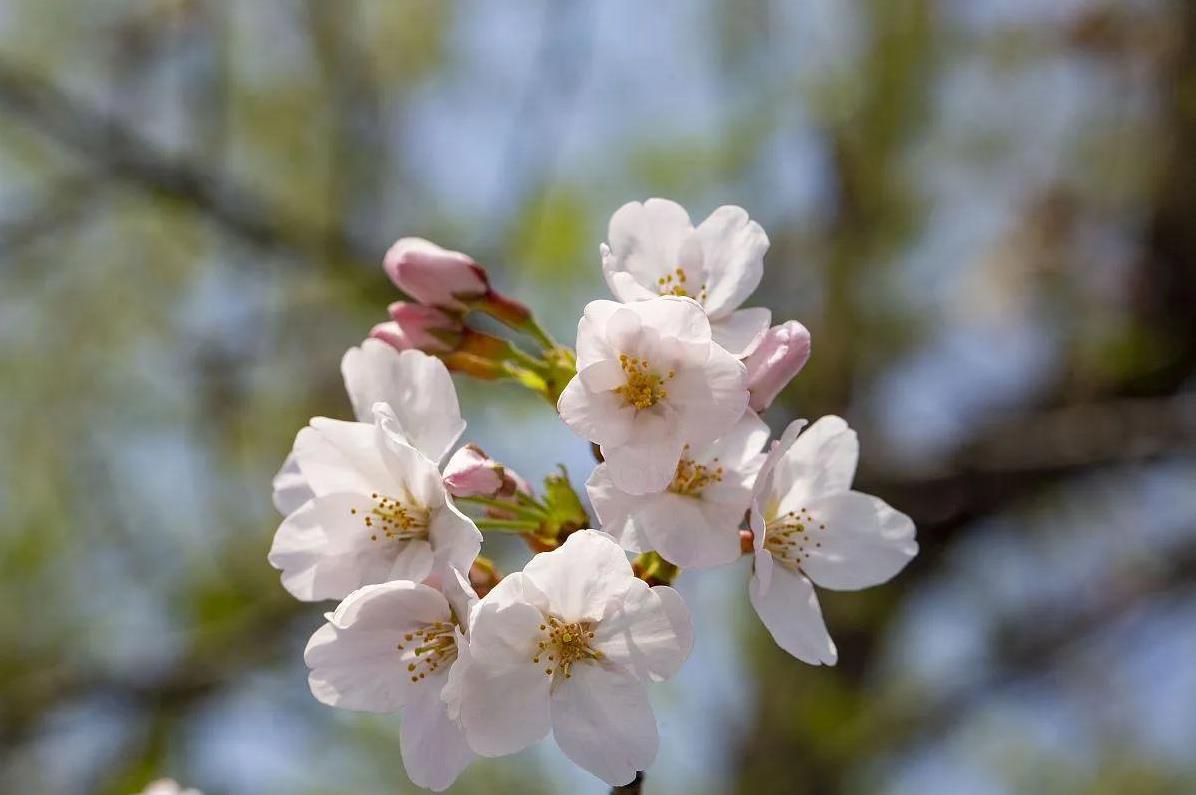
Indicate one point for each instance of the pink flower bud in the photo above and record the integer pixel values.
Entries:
(435, 276)
(780, 356)
(424, 327)
(471, 473)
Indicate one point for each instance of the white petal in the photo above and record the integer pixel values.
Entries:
(692, 532)
(740, 448)
(671, 316)
(355, 660)
(821, 461)
(602, 721)
(649, 633)
(600, 417)
(644, 465)
(612, 508)
(414, 561)
(592, 344)
(433, 747)
(624, 286)
(645, 241)
(789, 609)
(515, 588)
(712, 400)
(338, 456)
(417, 386)
(733, 249)
(856, 541)
(580, 577)
(412, 475)
(741, 331)
(455, 539)
(291, 489)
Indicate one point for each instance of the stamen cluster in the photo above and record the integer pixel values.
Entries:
(563, 645)
(644, 387)
(394, 520)
(435, 645)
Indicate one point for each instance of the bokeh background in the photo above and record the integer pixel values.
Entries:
(984, 210)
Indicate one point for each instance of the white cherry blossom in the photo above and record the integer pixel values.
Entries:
(811, 529)
(421, 395)
(694, 523)
(567, 645)
(391, 646)
(379, 512)
(649, 381)
(167, 786)
(654, 250)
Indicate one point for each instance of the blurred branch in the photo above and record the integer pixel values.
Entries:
(122, 153)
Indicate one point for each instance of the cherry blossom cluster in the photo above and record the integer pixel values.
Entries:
(382, 514)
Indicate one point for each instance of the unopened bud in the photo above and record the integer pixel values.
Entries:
(435, 276)
(425, 328)
(779, 357)
(472, 473)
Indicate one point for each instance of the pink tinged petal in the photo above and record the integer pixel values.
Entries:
(582, 576)
(645, 242)
(821, 461)
(855, 541)
(418, 389)
(643, 466)
(623, 285)
(411, 473)
(291, 489)
(650, 632)
(739, 448)
(742, 331)
(599, 417)
(712, 400)
(788, 606)
(692, 532)
(603, 376)
(433, 746)
(592, 343)
(613, 508)
(337, 456)
(514, 589)
(602, 720)
(674, 317)
(354, 659)
(393, 335)
(733, 246)
(433, 275)
(472, 473)
(780, 356)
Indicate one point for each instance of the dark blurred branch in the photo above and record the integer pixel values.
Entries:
(120, 152)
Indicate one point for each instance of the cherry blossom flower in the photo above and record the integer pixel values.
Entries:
(655, 250)
(650, 380)
(811, 528)
(435, 276)
(167, 786)
(390, 647)
(567, 645)
(379, 512)
(423, 402)
(424, 328)
(694, 523)
(780, 356)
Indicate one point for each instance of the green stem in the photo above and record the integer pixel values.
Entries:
(510, 507)
(537, 332)
(507, 525)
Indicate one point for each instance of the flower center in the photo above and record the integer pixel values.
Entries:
(564, 644)
(644, 387)
(428, 648)
(789, 535)
(692, 478)
(675, 283)
(391, 519)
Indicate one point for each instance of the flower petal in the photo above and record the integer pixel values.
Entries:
(418, 388)
(582, 575)
(733, 248)
(741, 331)
(692, 532)
(821, 461)
(645, 242)
(456, 540)
(613, 507)
(433, 746)
(602, 720)
(712, 400)
(789, 609)
(674, 317)
(291, 489)
(601, 417)
(338, 456)
(856, 541)
(355, 660)
(644, 466)
(650, 632)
